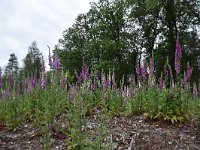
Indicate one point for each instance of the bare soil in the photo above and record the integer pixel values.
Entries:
(126, 133)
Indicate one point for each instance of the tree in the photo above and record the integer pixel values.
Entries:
(118, 34)
(33, 61)
(12, 66)
(162, 23)
(100, 38)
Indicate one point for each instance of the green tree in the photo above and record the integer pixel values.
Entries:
(32, 63)
(101, 39)
(162, 23)
(12, 66)
(118, 34)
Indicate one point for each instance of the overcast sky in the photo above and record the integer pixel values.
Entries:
(23, 21)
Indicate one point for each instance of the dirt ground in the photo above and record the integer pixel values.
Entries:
(127, 133)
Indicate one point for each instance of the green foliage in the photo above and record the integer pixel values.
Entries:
(99, 39)
(33, 61)
(173, 105)
(121, 32)
(40, 107)
(12, 66)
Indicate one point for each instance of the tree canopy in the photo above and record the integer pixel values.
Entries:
(118, 34)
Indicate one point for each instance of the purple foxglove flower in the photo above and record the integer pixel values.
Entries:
(178, 49)
(84, 68)
(177, 64)
(107, 84)
(32, 83)
(63, 80)
(188, 73)
(56, 63)
(78, 78)
(178, 55)
(85, 72)
(189, 70)
(143, 71)
(50, 61)
(43, 84)
(50, 58)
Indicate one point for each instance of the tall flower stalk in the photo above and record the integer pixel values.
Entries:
(188, 73)
(50, 58)
(56, 63)
(43, 81)
(178, 56)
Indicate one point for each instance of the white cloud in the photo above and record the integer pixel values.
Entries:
(23, 21)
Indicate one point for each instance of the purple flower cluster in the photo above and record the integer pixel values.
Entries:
(56, 63)
(177, 64)
(50, 58)
(50, 61)
(32, 82)
(141, 71)
(188, 73)
(107, 84)
(78, 78)
(43, 81)
(178, 55)
(189, 70)
(63, 80)
(84, 74)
